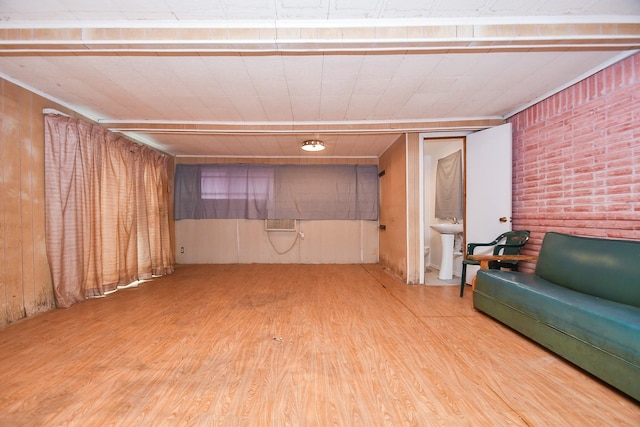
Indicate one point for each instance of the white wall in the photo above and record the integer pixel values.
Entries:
(435, 149)
(231, 241)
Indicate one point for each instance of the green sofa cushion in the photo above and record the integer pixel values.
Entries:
(607, 325)
(605, 268)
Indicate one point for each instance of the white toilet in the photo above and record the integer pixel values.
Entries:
(427, 251)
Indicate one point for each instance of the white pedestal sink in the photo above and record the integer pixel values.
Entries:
(447, 232)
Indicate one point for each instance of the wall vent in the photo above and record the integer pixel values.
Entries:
(280, 225)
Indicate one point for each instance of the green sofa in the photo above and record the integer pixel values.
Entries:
(583, 303)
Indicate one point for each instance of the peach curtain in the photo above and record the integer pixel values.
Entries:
(106, 205)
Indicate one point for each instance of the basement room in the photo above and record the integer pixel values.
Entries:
(320, 212)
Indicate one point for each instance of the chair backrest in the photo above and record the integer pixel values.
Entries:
(605, 268)
(513, 242)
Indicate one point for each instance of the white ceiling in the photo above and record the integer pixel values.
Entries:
(256, 77)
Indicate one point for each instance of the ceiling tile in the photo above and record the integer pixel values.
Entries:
(260, 98)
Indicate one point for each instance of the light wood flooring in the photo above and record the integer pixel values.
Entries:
(289, 345)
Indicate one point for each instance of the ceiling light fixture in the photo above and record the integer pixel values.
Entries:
(313, 145)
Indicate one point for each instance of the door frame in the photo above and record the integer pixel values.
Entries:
(421, 188)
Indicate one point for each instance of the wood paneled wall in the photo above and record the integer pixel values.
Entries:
(393, 208)
(25, 280)
(231, 241)
(26, 286)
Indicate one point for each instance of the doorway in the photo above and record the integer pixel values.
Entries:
(434, 149)
(486, 159)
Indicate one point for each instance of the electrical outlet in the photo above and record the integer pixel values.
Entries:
(302, 234)
(182, 250)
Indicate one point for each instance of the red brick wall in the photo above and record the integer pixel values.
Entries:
(576, 159)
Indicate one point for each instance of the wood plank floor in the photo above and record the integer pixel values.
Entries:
(275, 345)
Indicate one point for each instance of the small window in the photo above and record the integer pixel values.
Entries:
(235, 183)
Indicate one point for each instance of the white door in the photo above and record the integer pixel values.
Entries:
(488, 178)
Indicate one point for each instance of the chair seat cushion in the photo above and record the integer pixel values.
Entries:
(610, 326)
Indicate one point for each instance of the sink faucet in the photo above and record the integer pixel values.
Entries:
(453, 219)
